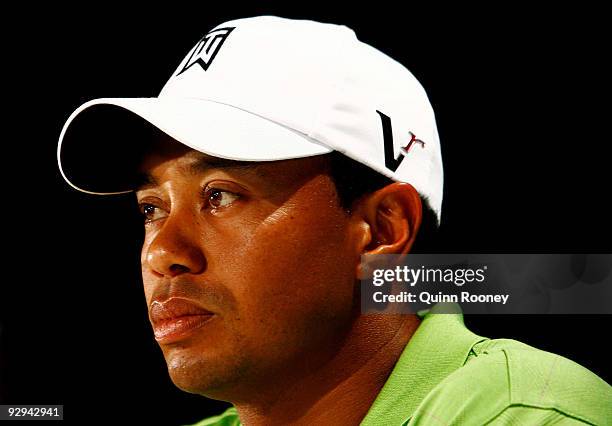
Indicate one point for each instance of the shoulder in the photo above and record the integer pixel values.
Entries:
(506, 380)
(228, 418)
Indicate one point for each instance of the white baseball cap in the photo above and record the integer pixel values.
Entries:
(263, 89)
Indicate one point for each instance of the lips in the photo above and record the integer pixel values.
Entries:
(176, 319)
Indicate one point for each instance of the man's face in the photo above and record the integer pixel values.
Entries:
(249, 271)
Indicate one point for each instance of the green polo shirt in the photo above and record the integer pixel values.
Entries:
(449, 375)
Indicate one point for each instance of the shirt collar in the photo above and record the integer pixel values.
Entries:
(440, 345)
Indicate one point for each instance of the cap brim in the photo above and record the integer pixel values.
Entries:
(103, 139)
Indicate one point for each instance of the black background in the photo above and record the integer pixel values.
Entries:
(526, 171)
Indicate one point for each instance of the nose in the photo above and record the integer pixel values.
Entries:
(175, 250)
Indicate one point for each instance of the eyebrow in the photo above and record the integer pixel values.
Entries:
(203, 164)
(144, 181)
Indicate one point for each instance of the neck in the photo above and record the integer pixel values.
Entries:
(341, 390)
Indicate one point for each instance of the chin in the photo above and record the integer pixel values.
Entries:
(198, 375)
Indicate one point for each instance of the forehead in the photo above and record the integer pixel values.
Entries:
(166, 153)
(190, 160)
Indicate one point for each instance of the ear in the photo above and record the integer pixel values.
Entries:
(389, 220)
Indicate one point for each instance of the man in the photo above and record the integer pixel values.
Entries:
(279, 153)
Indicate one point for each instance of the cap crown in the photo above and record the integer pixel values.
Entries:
(320, 80)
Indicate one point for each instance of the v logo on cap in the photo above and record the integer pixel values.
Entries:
(391, 162)
(206, 49)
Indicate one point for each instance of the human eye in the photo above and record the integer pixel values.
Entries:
(151, 212)
(216, 198)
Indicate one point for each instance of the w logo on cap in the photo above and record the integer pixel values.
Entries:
(206, 49)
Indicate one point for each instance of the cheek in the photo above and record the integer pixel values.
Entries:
(295, 268)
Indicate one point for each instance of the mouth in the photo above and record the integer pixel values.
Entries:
(176, 319)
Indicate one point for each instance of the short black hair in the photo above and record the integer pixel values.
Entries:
(354, 180)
